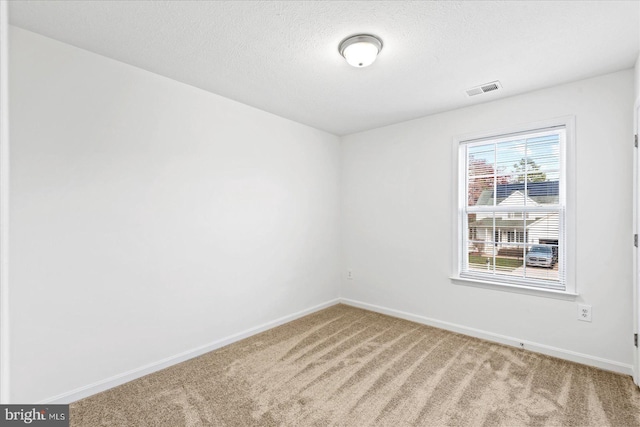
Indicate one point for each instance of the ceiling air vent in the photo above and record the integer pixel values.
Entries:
(487, 87)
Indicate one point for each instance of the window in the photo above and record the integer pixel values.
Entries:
(512, 208)
(515, 236)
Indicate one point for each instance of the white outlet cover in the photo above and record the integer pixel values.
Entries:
(584, 312)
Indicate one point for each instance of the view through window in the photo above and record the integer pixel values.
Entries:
(514, 208)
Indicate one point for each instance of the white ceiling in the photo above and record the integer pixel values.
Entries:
(282, 56)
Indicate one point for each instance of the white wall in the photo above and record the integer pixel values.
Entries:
(150, 217)
(397, 220)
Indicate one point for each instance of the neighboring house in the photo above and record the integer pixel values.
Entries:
(512, 230)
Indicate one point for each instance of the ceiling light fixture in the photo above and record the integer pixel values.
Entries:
(361, 50)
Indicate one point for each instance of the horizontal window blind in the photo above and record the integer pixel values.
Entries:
(513, 209)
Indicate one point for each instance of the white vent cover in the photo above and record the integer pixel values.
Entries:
(487, 87)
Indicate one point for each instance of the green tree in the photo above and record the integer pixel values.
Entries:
(528, 167)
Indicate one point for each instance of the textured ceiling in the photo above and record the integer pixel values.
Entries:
(281, 56)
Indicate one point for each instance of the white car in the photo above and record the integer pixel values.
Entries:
(541, 256)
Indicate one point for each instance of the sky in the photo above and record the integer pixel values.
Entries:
(543, 149)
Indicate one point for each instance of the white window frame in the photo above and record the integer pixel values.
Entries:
(567, 196)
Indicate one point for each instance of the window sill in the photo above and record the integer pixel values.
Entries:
(505, 287)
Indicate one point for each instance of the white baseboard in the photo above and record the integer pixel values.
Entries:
(133, 374)
(585, 359)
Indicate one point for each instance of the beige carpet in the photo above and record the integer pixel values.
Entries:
(349, 367)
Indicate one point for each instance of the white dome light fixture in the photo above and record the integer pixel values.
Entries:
(361, 50)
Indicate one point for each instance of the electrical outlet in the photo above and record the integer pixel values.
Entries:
(349, 274)
(584, 312)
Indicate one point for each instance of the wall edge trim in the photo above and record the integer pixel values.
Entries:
(572, 356)
(122, 378)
